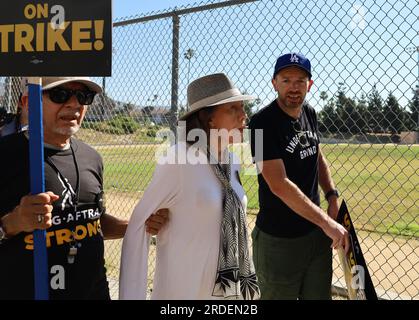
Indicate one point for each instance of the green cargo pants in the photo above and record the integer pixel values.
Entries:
(293, 268)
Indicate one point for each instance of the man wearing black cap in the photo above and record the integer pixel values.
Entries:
(71, 211)
(293, 236)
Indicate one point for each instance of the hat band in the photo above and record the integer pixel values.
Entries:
(213, 100)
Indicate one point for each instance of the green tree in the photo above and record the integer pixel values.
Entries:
(328, 118)
(323, 97)
(393, 115)
(248, 107)
(413, 117)
(375, 111)
(361, 109)
(346, 111)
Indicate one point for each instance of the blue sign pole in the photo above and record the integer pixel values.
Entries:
(36, 161)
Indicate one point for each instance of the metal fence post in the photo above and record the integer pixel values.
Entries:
(175, 73)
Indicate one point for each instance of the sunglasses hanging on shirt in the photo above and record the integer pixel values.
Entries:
(302, 138)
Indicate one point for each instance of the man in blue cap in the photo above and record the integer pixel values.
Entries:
(293, 236)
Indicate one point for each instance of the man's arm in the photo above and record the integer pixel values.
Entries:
(115, 228)
(33, 212)
(274, 173)
(326, 183)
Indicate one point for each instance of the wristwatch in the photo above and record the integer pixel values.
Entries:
(333, 192)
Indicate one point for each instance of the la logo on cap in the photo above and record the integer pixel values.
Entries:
(294, 58)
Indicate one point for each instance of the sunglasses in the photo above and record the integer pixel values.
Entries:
(302, 139)
(62, 95)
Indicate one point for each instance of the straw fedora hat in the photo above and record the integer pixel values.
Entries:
(212, 90)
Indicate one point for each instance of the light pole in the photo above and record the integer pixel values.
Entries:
(104, 85)
(9, 95)
(411, 50)
(188, 56)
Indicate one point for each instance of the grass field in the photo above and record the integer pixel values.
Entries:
(380, 183)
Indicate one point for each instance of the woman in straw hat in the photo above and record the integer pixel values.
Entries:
(202, 251)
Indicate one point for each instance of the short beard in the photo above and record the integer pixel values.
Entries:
(290, 106)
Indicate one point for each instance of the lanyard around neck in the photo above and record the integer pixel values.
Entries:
(68, 185)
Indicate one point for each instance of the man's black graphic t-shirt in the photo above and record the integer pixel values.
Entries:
(296, 143)
(75, 220)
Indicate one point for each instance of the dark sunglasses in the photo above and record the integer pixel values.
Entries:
(302, 139)
(62, 95)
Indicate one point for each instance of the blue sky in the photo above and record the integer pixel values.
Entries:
(125, 8)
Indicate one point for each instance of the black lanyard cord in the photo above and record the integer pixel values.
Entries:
(68, 185)
(74, 245)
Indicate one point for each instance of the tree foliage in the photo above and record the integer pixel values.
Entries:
(367, 114)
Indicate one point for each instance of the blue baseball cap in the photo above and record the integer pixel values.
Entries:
(293, 59)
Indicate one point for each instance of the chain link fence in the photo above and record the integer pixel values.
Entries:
(365, 62)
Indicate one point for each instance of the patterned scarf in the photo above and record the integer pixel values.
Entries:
(236, 278)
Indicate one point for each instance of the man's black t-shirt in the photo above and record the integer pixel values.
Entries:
(296, 143)
(75, 221)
